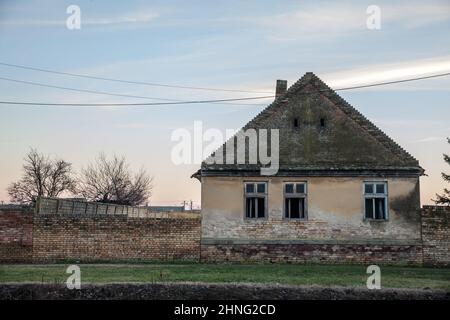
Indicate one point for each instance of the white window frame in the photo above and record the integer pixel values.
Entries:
(256, 194)
(375, 195)
(296, 195)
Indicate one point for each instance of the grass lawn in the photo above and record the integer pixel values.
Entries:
(325, 275)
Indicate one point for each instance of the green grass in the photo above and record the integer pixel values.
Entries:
(325, 275)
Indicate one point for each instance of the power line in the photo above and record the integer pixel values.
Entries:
(213, 101)
(393, 82)
(191, 87)
(82, 90)
(104, 92)
(131, 104)
(153, 84)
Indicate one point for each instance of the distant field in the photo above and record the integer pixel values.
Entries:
(323, 275)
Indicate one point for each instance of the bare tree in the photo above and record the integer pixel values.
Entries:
(111, 181)
(42, 176)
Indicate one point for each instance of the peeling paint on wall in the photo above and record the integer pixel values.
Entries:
(335, 210)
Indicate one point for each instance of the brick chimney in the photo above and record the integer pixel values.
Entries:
(281, 88)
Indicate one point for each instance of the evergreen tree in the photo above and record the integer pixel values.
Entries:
(445, 197)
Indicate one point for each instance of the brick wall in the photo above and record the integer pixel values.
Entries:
(25, 237)
(16, 240)
(103, 238)
(436, 235)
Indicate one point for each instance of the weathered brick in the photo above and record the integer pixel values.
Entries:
(25, 237)
(436, 235)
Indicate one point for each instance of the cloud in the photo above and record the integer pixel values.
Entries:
(429, 139)
(310, 21)
(332, 20)
(131, 126)
(391, 72)
(414, 15)
(416, 123)
(137, 17)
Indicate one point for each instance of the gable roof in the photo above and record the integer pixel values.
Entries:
(349, 142)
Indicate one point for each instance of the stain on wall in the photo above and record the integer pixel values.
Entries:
(335, 208)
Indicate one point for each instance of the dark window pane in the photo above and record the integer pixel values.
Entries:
(289, 188)
(380, 209)
(300, 188)
(261, 207)
(369, 208)
(368, 188)
(286, 207)
(302, 208)
(261, 187)
(380, 188)
(250, 188)
(255, 207)
(294, 208)
(322, 122)
(250, 207)
(295, 122)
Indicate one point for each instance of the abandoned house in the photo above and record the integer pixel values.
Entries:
(344, 191)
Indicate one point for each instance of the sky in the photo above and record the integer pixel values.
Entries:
(233, 45)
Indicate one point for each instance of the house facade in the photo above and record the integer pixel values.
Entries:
(343, 190)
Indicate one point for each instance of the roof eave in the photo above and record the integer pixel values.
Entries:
(323, 172)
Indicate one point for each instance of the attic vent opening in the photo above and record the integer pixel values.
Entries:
(322, 122)
(295, 123)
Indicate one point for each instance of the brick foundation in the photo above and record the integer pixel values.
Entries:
(314, 253)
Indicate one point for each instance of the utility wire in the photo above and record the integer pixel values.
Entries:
(153, 84)
(110, 93)
(213, 101)
(393, 82)
(82, 90)
(130, 104)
